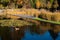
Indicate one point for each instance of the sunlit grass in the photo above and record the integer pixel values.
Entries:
(48, 21)
(46, 15)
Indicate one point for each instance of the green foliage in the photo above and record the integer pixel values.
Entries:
(48, 21)
(5, 1)
(43, 3)
(1, 6)
(33, 3)
(51, 1)
(55, 4)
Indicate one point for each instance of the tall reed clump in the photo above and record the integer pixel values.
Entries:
(56, 17)
(42, 14)
(45, 15)
(35, 3)
(48, 15)
(38, 3)
(32, 3)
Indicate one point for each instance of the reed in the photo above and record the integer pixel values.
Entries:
(38, 4)
(32, 3)
(48, 15)
(56, 17)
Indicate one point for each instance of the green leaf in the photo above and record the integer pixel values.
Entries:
(33, 3)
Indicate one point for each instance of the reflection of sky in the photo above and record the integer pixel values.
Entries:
(29, 36)
(45, 36)
(58, 36)
(0, 38)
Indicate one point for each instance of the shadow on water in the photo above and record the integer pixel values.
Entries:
(11, 33)
(43, 31)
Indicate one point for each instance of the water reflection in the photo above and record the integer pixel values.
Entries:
(42, 31)
(45, 36)
(29, 36)
(45, 30)
(58, 38)
(53, 35)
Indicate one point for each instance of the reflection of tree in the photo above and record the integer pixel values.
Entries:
(34, 30)
(37, 30)
(9, 33)
(41, 28)
(5, 33)
(53, 34)
(55, 29)
(17, 34)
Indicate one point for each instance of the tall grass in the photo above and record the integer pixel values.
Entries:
(32, 3)
(35, 3)
(55, 16)
(38, 3)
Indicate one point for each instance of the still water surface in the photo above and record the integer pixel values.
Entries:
(42, 32)
(45, 36)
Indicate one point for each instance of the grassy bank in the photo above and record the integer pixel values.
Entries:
(48, 21)
(13, 22)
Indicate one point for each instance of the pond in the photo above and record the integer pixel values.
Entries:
(42, 32)
(45, 36)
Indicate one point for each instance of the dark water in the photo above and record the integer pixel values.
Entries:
(45, 31)
(29, 36)
(42, 32)
(44, 36)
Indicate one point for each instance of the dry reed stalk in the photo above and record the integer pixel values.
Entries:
(48, 15)
(38, 4)
(56, 17)
(43, 13)
(34, 12)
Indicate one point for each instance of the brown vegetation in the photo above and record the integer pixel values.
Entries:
(54, 16)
